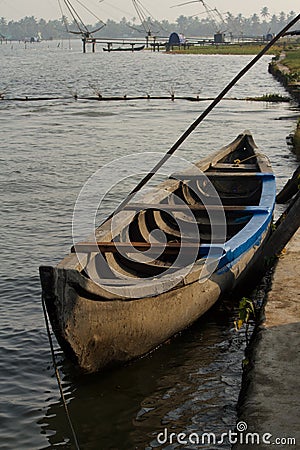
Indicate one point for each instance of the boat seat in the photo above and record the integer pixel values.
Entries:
(171, 247)
(112, 247)
(233, 166)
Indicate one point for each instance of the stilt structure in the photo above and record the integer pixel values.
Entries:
(87, 35)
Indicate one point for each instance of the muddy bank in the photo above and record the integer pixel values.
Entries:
(283, 74)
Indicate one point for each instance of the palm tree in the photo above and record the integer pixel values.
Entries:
(282, 19)
(255, 24)
(264, 12)
(3, 28)
(291, 15)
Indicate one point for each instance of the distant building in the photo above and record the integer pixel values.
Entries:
(219, 38)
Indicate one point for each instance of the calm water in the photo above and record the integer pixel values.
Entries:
(48, 150)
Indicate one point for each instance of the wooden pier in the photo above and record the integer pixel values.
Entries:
(152, 44)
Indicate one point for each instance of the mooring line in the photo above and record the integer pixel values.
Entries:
(58, 376)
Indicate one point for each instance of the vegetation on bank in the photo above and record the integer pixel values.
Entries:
(292, 61)
(271, 98)
(226, 49)
(292, 57)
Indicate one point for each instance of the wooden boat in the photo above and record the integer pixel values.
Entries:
(119, 296)
(133, 48)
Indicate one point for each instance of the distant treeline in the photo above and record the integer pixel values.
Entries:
(259, 24)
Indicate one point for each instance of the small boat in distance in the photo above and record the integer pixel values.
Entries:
(133, 48)
(164, 261)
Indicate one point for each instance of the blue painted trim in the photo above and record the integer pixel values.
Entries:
(251, 234)
(255, 209)
(264, 175)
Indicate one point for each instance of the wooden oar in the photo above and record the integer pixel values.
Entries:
(290, 189)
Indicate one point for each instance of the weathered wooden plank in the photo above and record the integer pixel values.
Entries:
(217, 174)
(113, 247)
(194, 208)
(233, 166)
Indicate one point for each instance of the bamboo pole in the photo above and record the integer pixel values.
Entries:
(290, 189)
(202, 116)
(286, 227)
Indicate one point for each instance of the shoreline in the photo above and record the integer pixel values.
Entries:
(269, 398)
(286, 70)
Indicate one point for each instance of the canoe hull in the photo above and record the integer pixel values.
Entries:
(96, 333)
(124, 49)
(106, 309)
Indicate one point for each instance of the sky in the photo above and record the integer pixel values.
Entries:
(159, 9)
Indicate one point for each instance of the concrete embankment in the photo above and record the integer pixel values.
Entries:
(270, 398)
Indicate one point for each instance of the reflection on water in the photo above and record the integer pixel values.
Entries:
(189, 385)
(48, 151)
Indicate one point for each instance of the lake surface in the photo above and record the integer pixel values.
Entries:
(48, 151)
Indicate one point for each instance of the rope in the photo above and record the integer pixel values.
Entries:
(93, 14)
(239, 161)
(74, 13)
(58, 376)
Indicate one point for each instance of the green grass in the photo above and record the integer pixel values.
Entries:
(292, 61)
(232, 49)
